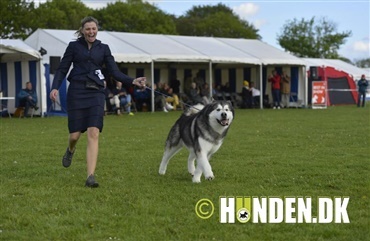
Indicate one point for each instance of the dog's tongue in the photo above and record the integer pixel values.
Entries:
(225, 122)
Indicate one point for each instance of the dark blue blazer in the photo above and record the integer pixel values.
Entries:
(86, 61)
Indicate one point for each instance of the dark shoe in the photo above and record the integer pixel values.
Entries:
(90, 182)
(67, 158)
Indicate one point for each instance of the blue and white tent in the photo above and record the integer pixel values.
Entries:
(20, 63)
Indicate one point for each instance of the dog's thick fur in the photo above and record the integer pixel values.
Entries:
(202, 133)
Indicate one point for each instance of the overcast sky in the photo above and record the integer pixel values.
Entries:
(269, 16)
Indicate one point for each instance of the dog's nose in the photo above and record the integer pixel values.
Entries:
(223, 115)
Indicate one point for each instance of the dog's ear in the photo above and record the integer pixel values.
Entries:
(230, 104)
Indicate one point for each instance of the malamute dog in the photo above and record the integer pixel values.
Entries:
(202, 133)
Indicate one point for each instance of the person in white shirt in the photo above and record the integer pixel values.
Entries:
(255, 95)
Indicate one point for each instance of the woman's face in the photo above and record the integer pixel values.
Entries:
(90, 30)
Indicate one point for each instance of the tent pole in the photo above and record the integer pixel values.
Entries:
(261, 88)
(152, 83)
(210, 78)
(44, 94)
(305, 77)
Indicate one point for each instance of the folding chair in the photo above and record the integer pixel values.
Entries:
(293, 100)
(4, 108)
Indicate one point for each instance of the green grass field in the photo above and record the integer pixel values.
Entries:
(289, 152)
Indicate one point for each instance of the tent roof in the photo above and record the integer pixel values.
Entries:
(136, 47)
(13, 47)
(338, 64)
(268, 54)
(122, 51)
(160, 47)
(216, 50)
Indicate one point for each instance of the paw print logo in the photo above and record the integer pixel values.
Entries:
(243, 215)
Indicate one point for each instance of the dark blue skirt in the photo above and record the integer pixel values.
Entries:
(85, 107)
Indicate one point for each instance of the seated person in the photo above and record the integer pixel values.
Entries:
(194, 95)
(217, 93)
(205, 93)
(159, 99)
(171, 97)
(112, 100)
(27, 98)
(124, 98)
(118, 98)
(255, 95)
(142, 97)
(246, 95)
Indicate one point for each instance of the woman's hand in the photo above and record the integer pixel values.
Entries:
(53, 94)
(141, 81)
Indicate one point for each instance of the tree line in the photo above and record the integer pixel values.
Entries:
(314, 38)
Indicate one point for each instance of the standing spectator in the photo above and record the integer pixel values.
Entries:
(27, 98)
(285, 89)
(275, 88)
(362, 88)
(85, 96)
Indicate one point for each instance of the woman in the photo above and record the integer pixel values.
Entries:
(85, 97)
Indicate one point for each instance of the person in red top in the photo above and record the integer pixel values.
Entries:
(275, 88)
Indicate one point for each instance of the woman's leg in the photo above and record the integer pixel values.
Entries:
(92, 149)
(73, 139)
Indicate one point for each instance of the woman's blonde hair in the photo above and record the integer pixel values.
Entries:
(83, 22)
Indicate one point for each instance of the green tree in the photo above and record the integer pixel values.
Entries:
(15, 20)
(308, 38)
(215, 21)
(135, 16)
(60, 14)
(363, 63)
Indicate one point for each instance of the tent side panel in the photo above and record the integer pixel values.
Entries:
(353, 87)
(4, 78)
(337, 96)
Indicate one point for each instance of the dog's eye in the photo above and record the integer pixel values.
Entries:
(218, 109)
(226, 109)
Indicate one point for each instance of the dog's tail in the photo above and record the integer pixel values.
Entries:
(194, 109)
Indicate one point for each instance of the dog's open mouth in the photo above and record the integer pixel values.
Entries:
(223, 122)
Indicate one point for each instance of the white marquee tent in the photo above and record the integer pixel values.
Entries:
(155, 49)
(20, 63)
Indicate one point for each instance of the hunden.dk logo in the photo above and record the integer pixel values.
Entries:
(276, 210)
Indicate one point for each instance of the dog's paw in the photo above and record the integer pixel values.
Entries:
(210, 178)
(162, 172)
(196, 180)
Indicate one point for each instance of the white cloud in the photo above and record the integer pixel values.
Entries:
(97, 4)
(246, 10)
(361, 46)
(259, 23)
